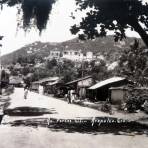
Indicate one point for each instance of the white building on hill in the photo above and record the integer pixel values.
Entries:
(54, 54)
(73, 55)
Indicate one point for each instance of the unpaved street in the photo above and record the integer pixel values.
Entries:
(68, 136)
(27, 137)
(58, 108)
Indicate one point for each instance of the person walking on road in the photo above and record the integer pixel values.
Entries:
(68, 97)
(25, 92)
(72, 95)
(41, 90)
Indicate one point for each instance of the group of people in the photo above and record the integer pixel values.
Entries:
(71, 96)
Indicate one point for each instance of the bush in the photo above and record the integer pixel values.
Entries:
(106, 107)
(134, 100)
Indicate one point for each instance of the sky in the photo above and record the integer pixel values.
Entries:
(57, 28)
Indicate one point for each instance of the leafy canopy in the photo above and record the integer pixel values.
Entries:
(133, 63)
(33, 10)
(111, 15)
(101, 16)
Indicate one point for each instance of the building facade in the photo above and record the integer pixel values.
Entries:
(73, 55)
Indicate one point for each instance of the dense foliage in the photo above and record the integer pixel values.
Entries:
(112, 15)
(4, 79)
(101, 16)
(36, 11)
(133, 64)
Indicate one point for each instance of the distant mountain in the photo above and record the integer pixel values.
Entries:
(103, 46)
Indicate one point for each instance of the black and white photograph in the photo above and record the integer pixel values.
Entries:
(73, 73)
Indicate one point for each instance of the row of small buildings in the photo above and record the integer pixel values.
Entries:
(112, 89)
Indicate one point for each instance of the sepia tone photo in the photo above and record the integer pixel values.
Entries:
(74, 73)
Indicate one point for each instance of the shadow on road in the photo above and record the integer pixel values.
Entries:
(4, 102)
(125, 128)
(28, 111)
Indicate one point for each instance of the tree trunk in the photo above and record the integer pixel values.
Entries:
(137, 27)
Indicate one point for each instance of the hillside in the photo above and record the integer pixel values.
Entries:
(104, 46)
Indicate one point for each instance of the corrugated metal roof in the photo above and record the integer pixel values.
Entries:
(52, 83)
(46, 80)
(106, 82)
(77, 80)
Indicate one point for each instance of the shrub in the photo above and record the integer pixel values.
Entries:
(106, 107)
(134, 100)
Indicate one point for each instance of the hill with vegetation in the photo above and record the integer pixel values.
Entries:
(102, 46)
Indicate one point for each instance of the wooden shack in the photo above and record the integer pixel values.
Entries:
(80, 86)
(100, 91)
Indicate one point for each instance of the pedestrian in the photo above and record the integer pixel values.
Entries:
(72, 95)
(41, 90)
(25, 92)
(68, 97)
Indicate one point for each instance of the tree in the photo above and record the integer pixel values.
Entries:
(84, 69)
(103, 16)
(69, 75)
(112, 15)
(4, 79)
(1, 37)
(133, 66)
(25, 70)
(20, 60)
(34, 11)
(52, 63)
(99, 71)
(133, 63)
